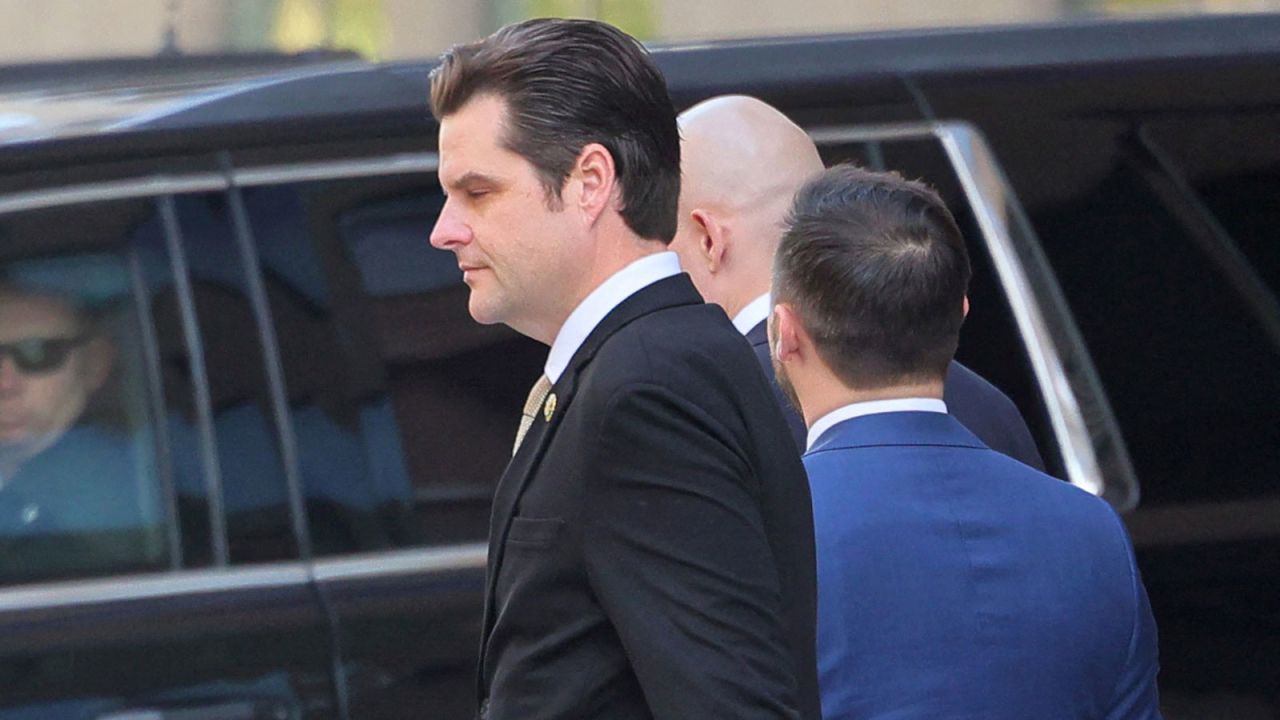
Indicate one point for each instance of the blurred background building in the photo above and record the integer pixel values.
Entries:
(393, 29)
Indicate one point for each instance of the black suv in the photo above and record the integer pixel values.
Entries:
(248, 431)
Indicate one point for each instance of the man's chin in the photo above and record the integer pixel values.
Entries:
(483, 312)
(15, 434)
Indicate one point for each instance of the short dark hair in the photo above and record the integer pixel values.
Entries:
(876, 269)
(567, 83)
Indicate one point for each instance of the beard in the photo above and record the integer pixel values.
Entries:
(784, 382)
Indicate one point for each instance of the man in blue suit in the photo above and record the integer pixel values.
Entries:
(742, 161)
(953, 582)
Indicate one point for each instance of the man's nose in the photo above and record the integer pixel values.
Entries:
(450, 231)
(10, 378)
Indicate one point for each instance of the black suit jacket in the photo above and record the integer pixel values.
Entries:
(651, 545)
(976, 403)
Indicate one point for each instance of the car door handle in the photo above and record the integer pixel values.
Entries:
(227, 710)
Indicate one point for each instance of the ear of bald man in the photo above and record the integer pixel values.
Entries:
(712, 239)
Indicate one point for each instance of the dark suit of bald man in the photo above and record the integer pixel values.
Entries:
(976, 403)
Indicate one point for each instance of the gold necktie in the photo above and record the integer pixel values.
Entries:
(536, 397)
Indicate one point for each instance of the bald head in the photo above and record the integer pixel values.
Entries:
(742, 162)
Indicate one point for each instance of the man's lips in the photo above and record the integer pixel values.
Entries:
(469, 270)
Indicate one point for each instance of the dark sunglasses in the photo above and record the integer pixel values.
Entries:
(40, 355)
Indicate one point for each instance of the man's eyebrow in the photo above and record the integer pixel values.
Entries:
(470, 178)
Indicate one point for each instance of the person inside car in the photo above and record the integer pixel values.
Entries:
(70, 496)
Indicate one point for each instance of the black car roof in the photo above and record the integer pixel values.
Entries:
(190, 95)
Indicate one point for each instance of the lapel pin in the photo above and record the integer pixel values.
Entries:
(549, 408)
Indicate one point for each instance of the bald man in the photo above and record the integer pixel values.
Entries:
(742, 162)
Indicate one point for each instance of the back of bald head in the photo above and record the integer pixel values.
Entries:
(743, 157)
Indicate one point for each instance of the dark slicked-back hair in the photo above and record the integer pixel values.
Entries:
(876, 269)
(568, 83)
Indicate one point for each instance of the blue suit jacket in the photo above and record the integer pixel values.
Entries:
(976, 403)
(954, 582)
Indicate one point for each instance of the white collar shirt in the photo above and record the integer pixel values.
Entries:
(872, 407)
(607, 296)
(756, 312)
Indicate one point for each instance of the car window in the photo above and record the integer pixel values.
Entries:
(82, 491)
(230, 478)
(401, 405)
(136, 431)
(1168, 263)
(1219, 177)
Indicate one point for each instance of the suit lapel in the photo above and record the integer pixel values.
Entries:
(669, 292)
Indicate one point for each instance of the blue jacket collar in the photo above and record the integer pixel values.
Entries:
(897, 428)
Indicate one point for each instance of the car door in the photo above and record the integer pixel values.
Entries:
(152, 556)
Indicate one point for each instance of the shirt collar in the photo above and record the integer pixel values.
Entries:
(756, 312)
(872, 407)
(607, 296)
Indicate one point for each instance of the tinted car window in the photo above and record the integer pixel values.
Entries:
(1219, 176)
(1188, 366)
(401, 404)
(135, 427)
(81, 492)
(123, 447)
(225, 443)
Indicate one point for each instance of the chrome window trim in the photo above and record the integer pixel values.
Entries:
(1063, 407)
(181, 183)
(472, 556)
(149, 587)
(129, 588)
(397, 164)
(970, 156)
(132, 188)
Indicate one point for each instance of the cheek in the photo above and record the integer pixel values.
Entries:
(45, 399)
(61, 390)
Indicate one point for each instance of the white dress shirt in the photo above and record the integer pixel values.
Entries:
(609, 295)
(871, 407)
(756, 312)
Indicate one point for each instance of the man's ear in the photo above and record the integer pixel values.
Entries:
(966, 307)
(787, 336)
(713, 240)
(596, 175)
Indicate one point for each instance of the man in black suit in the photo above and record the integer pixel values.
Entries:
(651, 543)
(743, 162)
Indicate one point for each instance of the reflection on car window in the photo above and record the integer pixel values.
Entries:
(232, 453)
(79, 491)
(401, 404)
